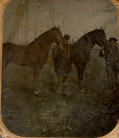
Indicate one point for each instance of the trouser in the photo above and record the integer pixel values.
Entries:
(117, 80)
(61, 81)
(112, 77)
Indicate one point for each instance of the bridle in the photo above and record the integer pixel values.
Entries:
(89, 40)
(111, 51)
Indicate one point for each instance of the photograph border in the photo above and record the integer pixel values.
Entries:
(4, 132)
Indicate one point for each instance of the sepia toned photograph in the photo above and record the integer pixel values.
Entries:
(60, 68)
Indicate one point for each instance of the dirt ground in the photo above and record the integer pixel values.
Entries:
(91, 113)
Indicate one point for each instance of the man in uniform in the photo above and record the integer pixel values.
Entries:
(115, 61)
(112, 64)
(62, 62)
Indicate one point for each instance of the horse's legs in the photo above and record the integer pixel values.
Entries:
(36, 73)
(55, 66)
(35, 77)
(65, 79)
(80, 73)
(83, 68)
(116, 79)
(84, 64)
(109, 77)
(57, 79)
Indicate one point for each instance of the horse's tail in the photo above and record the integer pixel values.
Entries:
(72, 57)
(6, 49)
(72, 53)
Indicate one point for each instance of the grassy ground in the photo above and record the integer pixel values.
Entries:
(88, 114)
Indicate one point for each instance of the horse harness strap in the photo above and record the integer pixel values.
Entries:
(43, 55)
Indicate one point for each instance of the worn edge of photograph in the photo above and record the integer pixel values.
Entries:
(4, 132)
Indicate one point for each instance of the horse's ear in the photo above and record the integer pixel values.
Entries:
(101, 30)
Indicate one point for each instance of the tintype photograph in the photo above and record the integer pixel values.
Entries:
(60, 68)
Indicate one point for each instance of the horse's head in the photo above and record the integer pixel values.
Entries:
(99, 37)
(56, 35)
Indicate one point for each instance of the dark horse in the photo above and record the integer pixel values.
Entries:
(33, 55)
(82, 48)
(110, 52)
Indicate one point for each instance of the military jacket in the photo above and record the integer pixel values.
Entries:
(62, 59)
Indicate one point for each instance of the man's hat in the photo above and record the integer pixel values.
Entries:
(67, 37)
(113, 39)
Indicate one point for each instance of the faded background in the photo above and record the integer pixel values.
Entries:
(92, 113)
(75, 17)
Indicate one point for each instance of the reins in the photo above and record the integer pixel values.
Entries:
(90, 43)
(40, 49)
(88, 66)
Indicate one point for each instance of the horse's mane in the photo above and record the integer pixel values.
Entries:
(45, 33)
(91, 32)
(40, 36)
(84, 36)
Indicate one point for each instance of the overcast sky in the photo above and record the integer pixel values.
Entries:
(23, 23)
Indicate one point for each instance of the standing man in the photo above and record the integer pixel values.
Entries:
(62, 62)
(112, 63)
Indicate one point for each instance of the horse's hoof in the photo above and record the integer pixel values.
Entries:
(82, 90)
(37, 92)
